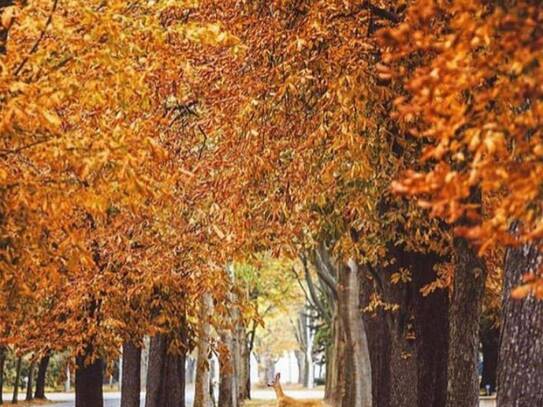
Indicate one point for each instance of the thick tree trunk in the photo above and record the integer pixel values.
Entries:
(40, 379)
(490, 344)
(521, 346)
(379, 347)
(30, 382)
(357, 390)
(165, 375)
(202, 396)
(403, 371)
(3, 353)
(131, 375)
(88, 381)
(465, 313)
(431, 334)
(15, 398)
(358, 340)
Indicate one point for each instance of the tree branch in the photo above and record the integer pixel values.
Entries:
(39, 40)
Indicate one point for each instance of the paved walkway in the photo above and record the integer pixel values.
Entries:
(113, 399)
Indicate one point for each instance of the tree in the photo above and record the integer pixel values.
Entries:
(40, 378)
(473, 111)
(131, 375)
(521, 323)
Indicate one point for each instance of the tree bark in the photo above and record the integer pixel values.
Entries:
(165, 375)
(465, 313)
(15, 398)
(245, 375)
(335, 359)
(431, 333)
(30, 382)
(202, 397)
(228, 388)
(88, 380)
(379, 346)
(521, 345)
(490, 344)
(3, 352)
(40, 379)
(300, 362)
(358, 391)
(131, 375)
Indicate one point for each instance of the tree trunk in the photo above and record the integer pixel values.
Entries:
(165, 375)
(358, 391)
(228, 389)
(3, 352)
(334, 359)
(309, 370)
(521, 345)
(88, 381)
(202, 397)
(67, 383)
(131, 375)
(191, 367)
(431, 333)
(490, 344)
(40, 379)
(379, 346)
(245, 376)
(29, 384)
(300, 362)
(17, 379)
(403, 371)
(465, 313)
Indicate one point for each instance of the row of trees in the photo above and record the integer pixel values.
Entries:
(148, 147)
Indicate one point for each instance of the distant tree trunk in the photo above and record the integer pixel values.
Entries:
(67, 383)
(191, 367)
(165, 375)
(246, 341)
(29, 383)
(88, 380)
(40, 379)
(131, 375)
(3, 352)
(490, 344)
(245, 377)
(17, 379)
(521, 366)
(300, 362)
(202, 396)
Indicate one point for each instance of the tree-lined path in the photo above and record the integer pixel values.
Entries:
(196, 195)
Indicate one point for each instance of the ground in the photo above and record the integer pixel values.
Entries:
(262, 398)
